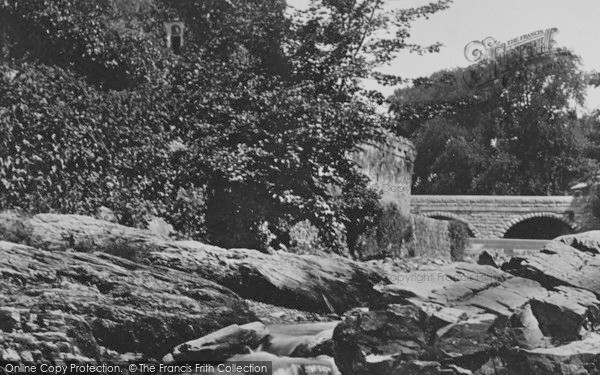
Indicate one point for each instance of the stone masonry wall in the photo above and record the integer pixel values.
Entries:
(492, 216)
(389, 166)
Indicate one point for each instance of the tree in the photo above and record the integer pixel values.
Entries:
(517, 135)
(256, 117)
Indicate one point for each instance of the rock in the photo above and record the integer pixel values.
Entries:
(395, 332)
(495, 365)
(26, 356)
(321, 365)
(270, 314)
(313, 346)
(483, 289)
(565, 313)
(478, 316)
(10, 354)
(459, 370)
(469, 337)
(10, 319)
(80, 289)
(559, 264)
(392, 366)
(94, 302)
(307, 282)
(303, 329)
(525, 330)
(472, 288)
(577, 357)
(586, 242)
(222, 344)
(285, 345)
(492, 258)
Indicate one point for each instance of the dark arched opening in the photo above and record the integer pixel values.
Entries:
(538, 228)
(446, 218)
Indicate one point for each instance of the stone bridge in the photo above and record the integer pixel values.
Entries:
(490, 216)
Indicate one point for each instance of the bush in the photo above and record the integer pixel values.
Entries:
(459, 237)
(304, 238)
(71, 148)
(392, 231)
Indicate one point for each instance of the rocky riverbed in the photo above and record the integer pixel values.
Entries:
(75, 288)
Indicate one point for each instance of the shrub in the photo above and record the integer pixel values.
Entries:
(304, 238)
(459, 236)
(392, 231)
(69, 147)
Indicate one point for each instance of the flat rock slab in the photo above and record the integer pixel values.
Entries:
(83, 306)
(586, 242)
(476, 310)
(311, 283)
(472, 288)
(559, 264)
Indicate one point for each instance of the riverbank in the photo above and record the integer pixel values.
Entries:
(84, 290)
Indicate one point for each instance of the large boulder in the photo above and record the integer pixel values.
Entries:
(536, 315)
(577, 357)
(84, 306)
(255, 344)
(465, 338)
(494, 258)
(306, 282)
(559, 264)
(586, 242)
(222, 344)
(396, 332)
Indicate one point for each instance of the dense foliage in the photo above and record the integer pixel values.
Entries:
(391, 232)
(243, 135)
(519, 134)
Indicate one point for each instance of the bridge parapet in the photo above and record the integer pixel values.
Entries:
(487, 202)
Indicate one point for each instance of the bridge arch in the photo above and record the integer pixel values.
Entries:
(558, 219)
(450, 216)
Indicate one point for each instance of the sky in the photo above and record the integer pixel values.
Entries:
(578, 23)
